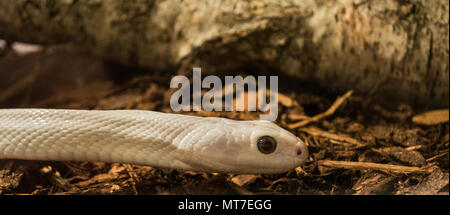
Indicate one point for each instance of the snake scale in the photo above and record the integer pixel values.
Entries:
(208, 144)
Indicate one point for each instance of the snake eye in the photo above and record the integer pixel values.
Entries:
(266, 144)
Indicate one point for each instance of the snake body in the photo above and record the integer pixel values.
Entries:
(151, 138)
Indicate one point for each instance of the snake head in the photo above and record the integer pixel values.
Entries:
(251, 147)
(276, 148)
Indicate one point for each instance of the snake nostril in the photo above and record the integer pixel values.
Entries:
(299, 151)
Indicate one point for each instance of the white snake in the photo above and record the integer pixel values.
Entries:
(149, 138)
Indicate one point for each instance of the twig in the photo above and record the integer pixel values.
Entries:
(296, 117)
(341, 138)
(437, 156)
(412, 148)
(327, 113)
(284, 100)
(375, 166)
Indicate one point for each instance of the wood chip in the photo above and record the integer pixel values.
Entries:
(243, 180)
(374, 182)
(409, 157)
(431, 185)
(432, 117)
(57, 179)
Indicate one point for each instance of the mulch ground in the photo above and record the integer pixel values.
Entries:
(357, 145)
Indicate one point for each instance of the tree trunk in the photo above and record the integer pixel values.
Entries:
(398, 49)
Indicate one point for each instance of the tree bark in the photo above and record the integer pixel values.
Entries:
(398, 49)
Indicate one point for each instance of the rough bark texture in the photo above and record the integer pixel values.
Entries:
(398, 48)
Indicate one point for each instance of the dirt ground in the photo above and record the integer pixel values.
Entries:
(357, 144)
